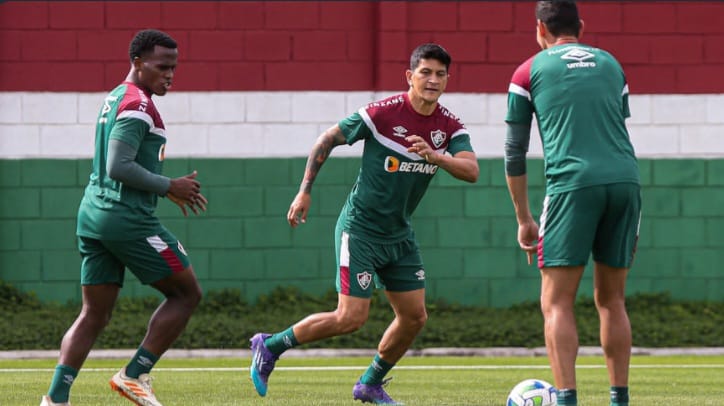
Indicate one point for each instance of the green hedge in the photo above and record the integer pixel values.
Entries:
(225, 320)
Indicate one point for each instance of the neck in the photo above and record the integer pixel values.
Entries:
(565, 40)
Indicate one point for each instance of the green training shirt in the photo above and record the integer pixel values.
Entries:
(579, 96)
(109, 209)
(392, 181)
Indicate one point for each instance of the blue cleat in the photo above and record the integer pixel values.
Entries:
(373, 394)
(262, 363)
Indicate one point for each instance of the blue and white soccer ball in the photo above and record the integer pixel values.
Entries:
(532, 392)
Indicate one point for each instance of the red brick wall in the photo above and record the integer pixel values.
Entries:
(665, 47)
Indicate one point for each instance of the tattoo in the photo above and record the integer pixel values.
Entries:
(320, 152)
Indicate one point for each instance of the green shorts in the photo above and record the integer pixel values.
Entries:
(603, 220)
(150, 259)
(395, 267)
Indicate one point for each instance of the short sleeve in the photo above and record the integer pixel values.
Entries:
(354, 128)
(459, 142)
(130, 130)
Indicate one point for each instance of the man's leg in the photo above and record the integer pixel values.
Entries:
(609, 295)
(183, 294)
(410, 318)
(350, 315)
(558, 294)
(98, 302)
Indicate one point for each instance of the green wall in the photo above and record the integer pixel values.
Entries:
(467, 232)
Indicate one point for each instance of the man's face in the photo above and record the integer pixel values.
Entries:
(428, 80)
(156, 70)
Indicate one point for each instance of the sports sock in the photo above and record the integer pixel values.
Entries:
(619, 396)
(376, 371)
(282, 341)
(63, 378)
(567, 397)
(141, 363)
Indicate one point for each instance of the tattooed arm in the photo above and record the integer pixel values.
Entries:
(320, 152)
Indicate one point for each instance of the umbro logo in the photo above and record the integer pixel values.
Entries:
(580, 57)
(399, 131)
(420, 275)
(68, 379)
(577, 54)
(145, 361)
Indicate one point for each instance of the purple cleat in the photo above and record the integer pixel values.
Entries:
(262, 363)
(373, 394)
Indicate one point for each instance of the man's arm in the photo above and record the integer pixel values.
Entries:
(516, 146)
(122, 167)
(327, 141)
(463, 165)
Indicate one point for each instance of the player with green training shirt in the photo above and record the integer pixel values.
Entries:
(579, 96)
(117, 227)
(407, 137)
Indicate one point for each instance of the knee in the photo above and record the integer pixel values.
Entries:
(608, 303)
(192, 297)
(350, 322)
(416, 321)
(98, 318)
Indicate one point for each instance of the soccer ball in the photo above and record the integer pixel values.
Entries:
(532, 392)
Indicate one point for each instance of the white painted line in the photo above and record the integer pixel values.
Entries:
(403, 367)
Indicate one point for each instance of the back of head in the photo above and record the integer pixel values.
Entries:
(559, 16)
(144, 42)
(429, 51)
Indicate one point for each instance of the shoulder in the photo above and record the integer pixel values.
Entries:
(136, 103)
(521, 75)
(392, 103)
(450, 119)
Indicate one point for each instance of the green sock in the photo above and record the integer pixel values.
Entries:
(567, 397)
(376, 371)
(619, 396)
(63, 378)
(280, 342)
(141, 363)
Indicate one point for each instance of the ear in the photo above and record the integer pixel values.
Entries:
(542, 29)
(580, 31)
(137, 62)
(408, 76)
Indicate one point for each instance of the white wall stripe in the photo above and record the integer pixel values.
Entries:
(285, 124)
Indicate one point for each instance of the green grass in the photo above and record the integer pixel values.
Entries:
(675, 380)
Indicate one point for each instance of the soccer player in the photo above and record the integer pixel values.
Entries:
(406, 138)
(579, 96)
(117, 227)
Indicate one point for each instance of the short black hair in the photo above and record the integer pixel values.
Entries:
(144, 41)
(559, 16)
(429, 51)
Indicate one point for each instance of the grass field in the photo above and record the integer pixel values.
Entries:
(675, 380)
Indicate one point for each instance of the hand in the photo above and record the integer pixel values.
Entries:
(420, 147)
(186, 191)
(299, 208)
(528, 238)
(199, 202)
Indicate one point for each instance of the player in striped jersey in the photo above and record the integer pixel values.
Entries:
(407, 138)
(117, 227)
(579, 96)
